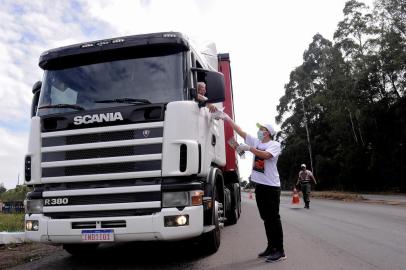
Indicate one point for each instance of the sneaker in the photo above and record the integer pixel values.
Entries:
(276, 256)
(266, 252)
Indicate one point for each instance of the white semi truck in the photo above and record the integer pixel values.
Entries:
(120, 149)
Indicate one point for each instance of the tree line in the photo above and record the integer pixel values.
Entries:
(16, 194)
(343, 112)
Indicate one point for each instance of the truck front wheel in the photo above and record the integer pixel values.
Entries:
(211, 240)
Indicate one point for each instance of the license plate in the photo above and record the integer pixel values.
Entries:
(97, 235)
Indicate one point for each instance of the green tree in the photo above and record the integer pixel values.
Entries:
(2, 188)
(311, 97)
(16, 194)
(352, 95)
(391, 21)
(393, 13)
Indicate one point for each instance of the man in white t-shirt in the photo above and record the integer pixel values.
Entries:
(265, 175)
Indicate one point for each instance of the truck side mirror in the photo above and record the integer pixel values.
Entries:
(36, 87)
(36, 90)
(215, 87)
(193, 93)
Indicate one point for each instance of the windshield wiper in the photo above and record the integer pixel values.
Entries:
(125, 100)
(61, 105)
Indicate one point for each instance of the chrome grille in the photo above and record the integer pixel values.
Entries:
(102, 201)
(103, 152)
(97, 214)
(151, 165)
(102, 137)
(103, 184)
(121, 152)
(112, 198)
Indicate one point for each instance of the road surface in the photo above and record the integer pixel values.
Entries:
(331, 235)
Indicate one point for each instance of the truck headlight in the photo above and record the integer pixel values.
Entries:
(182, 198)
(176, 221)
(33, 206)
(175, 199)
(31, 225)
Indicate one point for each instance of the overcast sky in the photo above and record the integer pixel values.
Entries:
(265, 39)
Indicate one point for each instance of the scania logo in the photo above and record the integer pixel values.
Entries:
(98, 118)
(146, 132)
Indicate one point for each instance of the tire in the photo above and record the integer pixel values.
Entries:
(233, 217)
(234, 213)
(211, 240)
(239, 203)
(80, 249)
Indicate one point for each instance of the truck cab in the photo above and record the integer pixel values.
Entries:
(120, 149)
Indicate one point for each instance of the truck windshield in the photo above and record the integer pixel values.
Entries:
(138, 81)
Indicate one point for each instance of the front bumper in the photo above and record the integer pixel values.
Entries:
(138, 228)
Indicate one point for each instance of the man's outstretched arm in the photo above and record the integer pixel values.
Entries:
(236, 127)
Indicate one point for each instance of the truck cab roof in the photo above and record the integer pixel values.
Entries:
(113, 48)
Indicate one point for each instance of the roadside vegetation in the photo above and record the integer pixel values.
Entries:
(16, 194)
(337, 195)
(11, 222)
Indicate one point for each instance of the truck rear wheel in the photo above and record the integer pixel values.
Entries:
(80, 249)
(232, 218)
(211, 240)
(235, 206)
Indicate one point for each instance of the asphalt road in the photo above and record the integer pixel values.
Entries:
(331, 235)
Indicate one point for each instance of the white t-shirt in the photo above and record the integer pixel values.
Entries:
(265, 171)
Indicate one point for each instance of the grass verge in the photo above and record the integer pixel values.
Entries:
(337, 195)
(11, 222)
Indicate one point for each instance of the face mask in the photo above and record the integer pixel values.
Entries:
(260, 135)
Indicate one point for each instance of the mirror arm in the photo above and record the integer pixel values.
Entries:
(193, 93)
(199, 70)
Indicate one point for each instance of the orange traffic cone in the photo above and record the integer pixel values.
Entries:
(250, 195)
(295, 197)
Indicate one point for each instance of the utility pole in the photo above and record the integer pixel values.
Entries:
(308, 136)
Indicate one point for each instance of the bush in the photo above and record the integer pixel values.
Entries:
(16, 194)
(11, 222)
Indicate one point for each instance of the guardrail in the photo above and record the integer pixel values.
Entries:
(11, 237)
